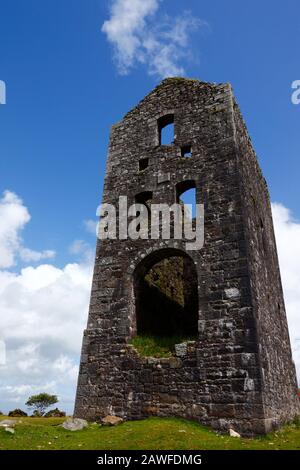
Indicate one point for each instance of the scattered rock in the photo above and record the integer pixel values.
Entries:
(74, 424)
(8, 423)
(11, 430)
(234, 433)
(112, 420)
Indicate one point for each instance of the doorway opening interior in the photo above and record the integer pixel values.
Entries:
(166, 302)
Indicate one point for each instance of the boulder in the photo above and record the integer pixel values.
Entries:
(110, 420)
(74, 424)
(8, 423)
(11, 430)
(234, 433)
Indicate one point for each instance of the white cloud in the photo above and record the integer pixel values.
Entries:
(124, 28)
(13, 218)
(2, 353)
(78, 247)
(287, 231)
(18, 391)
(28, 255)
(43, 311)
(44, 304)
(140, 35)
(91, 226)
(84, 250)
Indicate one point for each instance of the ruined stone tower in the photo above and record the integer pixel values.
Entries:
(236, 370)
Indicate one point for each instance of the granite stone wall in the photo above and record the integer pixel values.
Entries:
(239, 372)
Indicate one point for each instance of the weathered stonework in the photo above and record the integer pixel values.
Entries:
(239, 373)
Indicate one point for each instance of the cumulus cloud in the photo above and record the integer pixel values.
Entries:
(29, 255)
(13, 218)
(139, 35)
(43, 311)
(17, 392)
(287, 231)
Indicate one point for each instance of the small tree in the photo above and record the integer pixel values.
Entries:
(41, 402)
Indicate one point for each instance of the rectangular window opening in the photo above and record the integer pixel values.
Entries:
(143, 164)
(166, 130)
(186, 151)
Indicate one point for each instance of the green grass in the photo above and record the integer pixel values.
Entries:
(156, 346)
(149, 434)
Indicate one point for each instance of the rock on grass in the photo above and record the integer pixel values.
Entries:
(74, 424)
(8, 423)
(112, 420)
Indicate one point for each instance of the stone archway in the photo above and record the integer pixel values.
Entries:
(166, 295)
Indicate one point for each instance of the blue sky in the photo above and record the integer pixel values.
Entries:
(65, 90)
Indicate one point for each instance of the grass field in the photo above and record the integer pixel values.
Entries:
(149, 434)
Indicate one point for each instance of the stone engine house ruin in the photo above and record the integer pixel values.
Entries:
(237, 370)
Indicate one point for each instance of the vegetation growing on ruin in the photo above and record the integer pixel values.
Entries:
(156, 346)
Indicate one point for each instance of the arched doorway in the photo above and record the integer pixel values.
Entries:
(166, 296)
